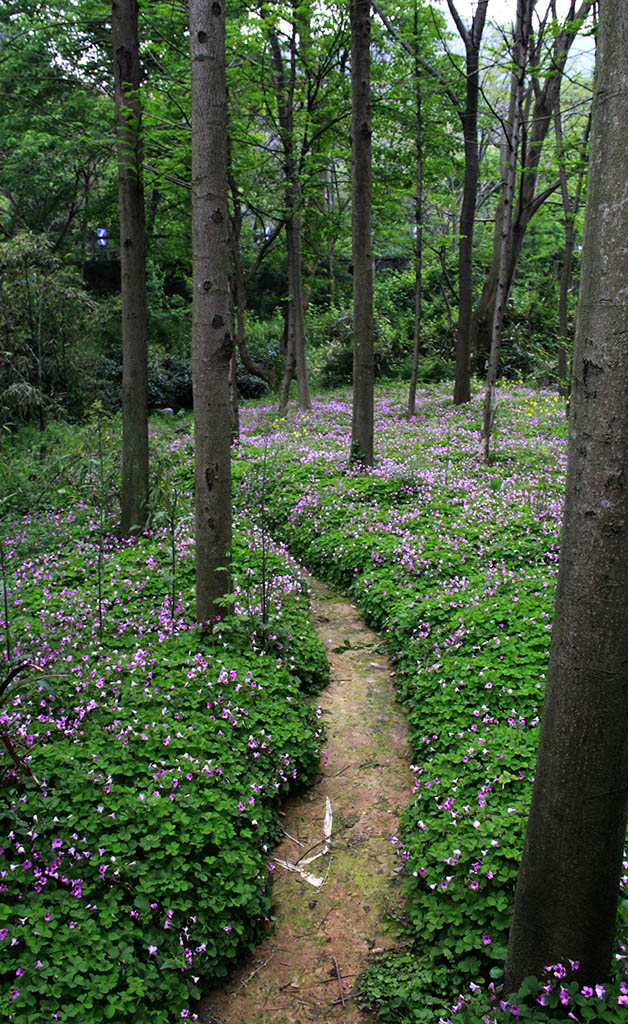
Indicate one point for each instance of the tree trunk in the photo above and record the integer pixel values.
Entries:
(290, 361)
(563, 306)
(570, 209)
(528, 202)
(233, 397)
(567, 892)
(212, 338)
(239, 287)
(296, 322)
(418, 222)
(284, 90)
(40, 362)
(520, 47)
(361, 190)
(128, 119)
(469, 121)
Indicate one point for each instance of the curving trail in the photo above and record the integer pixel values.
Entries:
(330, 929)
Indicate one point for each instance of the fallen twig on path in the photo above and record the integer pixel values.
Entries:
(342, 993)
(261, 967)
(297, 841)
(349, 995)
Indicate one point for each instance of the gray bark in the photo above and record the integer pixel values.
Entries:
(361, 240)
(570, 209)
(128, 121)
(567, 892)
(212, 333)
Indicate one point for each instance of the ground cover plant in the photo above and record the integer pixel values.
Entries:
(141, 808)
(142, 761)
(455, 564)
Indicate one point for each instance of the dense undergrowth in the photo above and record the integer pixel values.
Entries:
(135, 867)
(150, 759)
(455, 564)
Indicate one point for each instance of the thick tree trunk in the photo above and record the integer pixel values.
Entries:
(212, 338)
(128, 119)
(519, 53)
(361, 197)
(567, 892)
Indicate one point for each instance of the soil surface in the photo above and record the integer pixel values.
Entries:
(307, 968)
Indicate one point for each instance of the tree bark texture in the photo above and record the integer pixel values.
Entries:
(361, 235)
(567, 892)
(570, 209)
(128, 121)
(212, 334)
(469, 121)
(528, 201)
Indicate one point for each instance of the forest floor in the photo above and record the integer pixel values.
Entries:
(324, 935)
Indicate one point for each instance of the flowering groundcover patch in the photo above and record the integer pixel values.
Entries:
(455, 564)
(137, 824)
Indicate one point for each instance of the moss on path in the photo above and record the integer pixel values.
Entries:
(292, 978)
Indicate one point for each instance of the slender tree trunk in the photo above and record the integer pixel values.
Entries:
(567, 892)
(361, 192)
(528, 201)
(418, 221)
(296, 339)
(289, 358)
(240, 293)
(520, 46)
(40, 362)
(284, 89)
(212, 338)
(469, 121)
(128, 119)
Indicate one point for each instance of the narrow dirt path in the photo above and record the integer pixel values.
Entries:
(330, 930)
